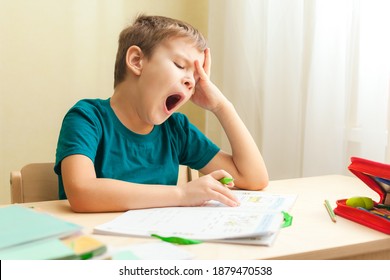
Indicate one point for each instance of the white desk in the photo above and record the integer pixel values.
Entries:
(312, 234)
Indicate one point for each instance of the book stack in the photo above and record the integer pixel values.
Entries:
(31, 235)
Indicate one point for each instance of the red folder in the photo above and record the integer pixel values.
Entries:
(375, 175)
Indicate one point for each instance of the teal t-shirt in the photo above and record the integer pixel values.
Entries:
(91, 128)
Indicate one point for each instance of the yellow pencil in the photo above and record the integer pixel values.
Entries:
(330, 211)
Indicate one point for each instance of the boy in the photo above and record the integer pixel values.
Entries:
(123, 153)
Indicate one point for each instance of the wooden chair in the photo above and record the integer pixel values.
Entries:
(38, 182)
(186, 174)
(34, 182)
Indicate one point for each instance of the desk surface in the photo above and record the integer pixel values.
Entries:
(312, 234)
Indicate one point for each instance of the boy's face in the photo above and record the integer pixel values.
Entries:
(168, 78)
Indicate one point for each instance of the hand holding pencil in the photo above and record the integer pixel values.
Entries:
(214, 186)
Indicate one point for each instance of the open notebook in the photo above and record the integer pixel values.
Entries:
(256, 221)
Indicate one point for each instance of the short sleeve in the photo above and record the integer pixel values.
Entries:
(195, 149)
(80, 134)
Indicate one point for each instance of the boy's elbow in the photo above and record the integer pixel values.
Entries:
(255, 184)
(263, 180)
(259, 185)
(256, 181)
(78, 205)
(77, 200)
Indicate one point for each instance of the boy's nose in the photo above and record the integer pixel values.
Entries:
(189, 83)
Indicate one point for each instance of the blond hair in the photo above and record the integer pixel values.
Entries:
(147, 32)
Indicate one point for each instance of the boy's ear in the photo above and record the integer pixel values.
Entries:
(134, 59)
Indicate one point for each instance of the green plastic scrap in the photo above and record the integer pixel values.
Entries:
(287, 219)
(177, 240)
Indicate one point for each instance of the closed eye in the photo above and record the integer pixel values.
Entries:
(178, 66)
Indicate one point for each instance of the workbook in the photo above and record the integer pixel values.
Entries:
(257, 220)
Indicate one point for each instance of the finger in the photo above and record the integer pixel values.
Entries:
(226, 181)
(220, 175)
(225, 196)
(231, 184)
(207, 61)
(223, 190)
(201, 72)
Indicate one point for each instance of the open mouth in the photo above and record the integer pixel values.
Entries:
(172, 101)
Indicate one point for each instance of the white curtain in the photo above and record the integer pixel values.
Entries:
(311, 79)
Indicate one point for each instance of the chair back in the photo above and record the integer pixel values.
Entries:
(34, 182)
(186, 174)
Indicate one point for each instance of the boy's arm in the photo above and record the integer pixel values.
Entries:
(86, 193)
(245, 164)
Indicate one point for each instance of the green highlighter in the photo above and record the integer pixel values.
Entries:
(226, 180)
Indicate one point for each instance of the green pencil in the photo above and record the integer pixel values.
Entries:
(330, 211)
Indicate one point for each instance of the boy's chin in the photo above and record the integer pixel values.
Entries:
(161, 120)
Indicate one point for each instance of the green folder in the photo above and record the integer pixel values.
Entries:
(20, 225)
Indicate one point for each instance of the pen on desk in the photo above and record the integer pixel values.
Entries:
(330, 211)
